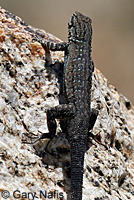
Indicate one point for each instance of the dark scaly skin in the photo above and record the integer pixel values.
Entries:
(78, 84)
(77, 118)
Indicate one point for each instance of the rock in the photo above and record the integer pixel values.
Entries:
(30, 78)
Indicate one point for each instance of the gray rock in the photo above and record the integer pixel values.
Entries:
(28, 86)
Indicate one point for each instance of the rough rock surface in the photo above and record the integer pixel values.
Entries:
(28, 86)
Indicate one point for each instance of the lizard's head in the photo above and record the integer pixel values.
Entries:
(80, 28)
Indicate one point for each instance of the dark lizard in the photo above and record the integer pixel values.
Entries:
(75, 114)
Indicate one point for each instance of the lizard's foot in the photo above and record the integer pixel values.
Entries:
(97, 138)
(36, 138)
(93, 118)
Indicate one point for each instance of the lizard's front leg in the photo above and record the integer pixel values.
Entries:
(53, 46)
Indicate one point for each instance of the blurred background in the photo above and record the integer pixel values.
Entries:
(113, 32)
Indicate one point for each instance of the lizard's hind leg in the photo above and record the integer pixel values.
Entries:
(62, 111)
(93, 118)
(97, 138)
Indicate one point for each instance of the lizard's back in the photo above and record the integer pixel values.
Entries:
(78, 71)
(78, 82)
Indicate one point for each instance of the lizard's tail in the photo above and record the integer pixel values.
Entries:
(77, 162)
